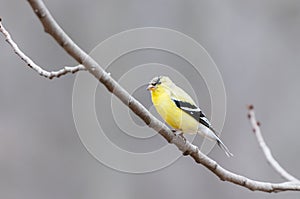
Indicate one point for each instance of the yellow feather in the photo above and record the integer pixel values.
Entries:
(167, 109)
(163, 91)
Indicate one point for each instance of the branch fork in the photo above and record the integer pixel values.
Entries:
(44, 73)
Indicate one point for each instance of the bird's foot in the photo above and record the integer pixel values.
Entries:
(174, 131)
(179, 133)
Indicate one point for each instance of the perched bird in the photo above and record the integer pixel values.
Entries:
(179, 110)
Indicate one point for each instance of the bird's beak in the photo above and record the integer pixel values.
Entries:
(150, 87)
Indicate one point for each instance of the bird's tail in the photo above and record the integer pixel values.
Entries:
(212, 135)
(224, 148)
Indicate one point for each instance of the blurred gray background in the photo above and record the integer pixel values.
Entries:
(255, 45)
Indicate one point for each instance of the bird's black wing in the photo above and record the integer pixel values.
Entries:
(193, 111)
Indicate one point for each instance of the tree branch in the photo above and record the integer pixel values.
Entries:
(34, 66)
(267, 152)
(92, 66)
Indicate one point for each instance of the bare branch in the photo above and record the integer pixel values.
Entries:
(34, 66)
(267, 152)
(92, 66)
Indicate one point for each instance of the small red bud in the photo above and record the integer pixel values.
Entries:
(250, 107)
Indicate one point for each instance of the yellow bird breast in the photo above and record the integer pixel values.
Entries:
(173, 115)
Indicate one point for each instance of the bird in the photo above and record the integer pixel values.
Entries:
(180, 111)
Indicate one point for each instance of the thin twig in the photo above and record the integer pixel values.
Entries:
(78, 54)
(267, 152)
(34, 66)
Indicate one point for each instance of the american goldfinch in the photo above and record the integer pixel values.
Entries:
(179, 110)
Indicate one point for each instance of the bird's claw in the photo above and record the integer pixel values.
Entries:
(179, 133)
